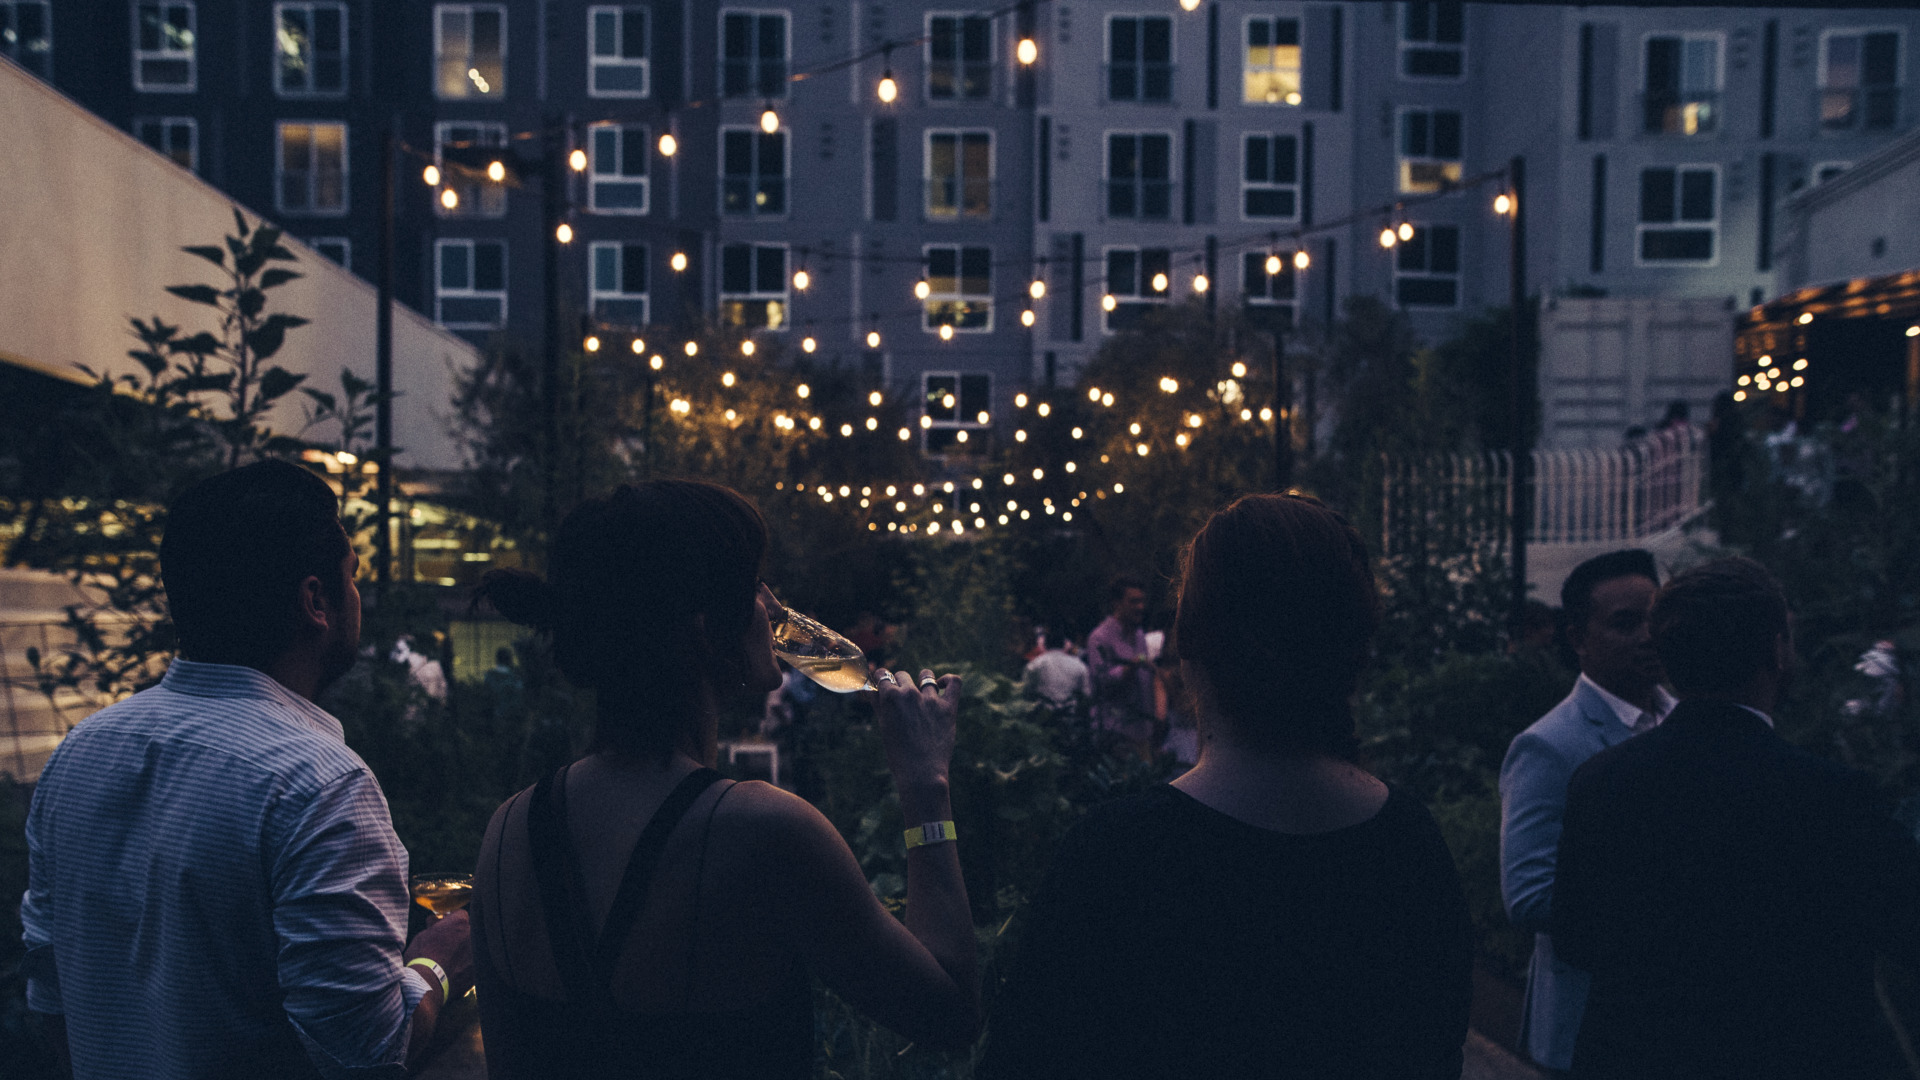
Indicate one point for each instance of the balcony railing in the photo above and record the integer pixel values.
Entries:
(955, 198)
(1668, 112)
(1868, 108)
(1144, 200)
(1151, 83)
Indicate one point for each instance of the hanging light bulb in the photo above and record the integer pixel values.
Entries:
(638, 345)
(727, 379)
(802, 279)
(1387, 239)
(946, 331)
(1301, 260)
(1026, 318)
(678, 262)
(564, 233)
(1159, 283)
(692, 348)
(1239, 370)
(431, 174)
(921, 289)
(807, 344)
(449, 198)
(577, 161)
(1406, 230)
(1273, 265)
(873, 339)
(496, 171)
(1190, 5)
(1027, 51)
(1038, 289)
(769, 120)
(656, 363)
(802, 391)
(1200, 283)
(746, 349)
(1502, 203)
(669, 146)
(888, 89)
(1108, 302)
(592, 343)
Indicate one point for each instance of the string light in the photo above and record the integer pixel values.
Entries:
(1020, 436)
(1079, 433)
(904, 436)
(727, 379)
(801, 279)
(746, 349)
(1387, 239)
(1019, 401)
(1159, 282)
(1108, 302)
(1071, 467)
(873, 339)
(1406, 230)
(925, 423)
(692, 348)
(946, 331)
(1045, 409)
(577, 161)
(656, 363)
(564, 233)
(1239, 370)
(496, 171)
(592, 343)
(449, 198)
(1805, 318)
(1106, 401)
(1026, 52)
(1026, 317)
(1038, 289)
(807, 344)
(1301, 260)
(873, 424)
(431, 174)
(669, 146)
(1273, 265)
(1169, 385)
(802, 390)
(813, 423)
(769, 120)
(874, 399)
(888, 89)
(1502, 203)
(678, 262)
(638, 345)
(922, 290)
(1200, 283)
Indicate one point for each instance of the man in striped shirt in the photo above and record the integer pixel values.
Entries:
(214, 886)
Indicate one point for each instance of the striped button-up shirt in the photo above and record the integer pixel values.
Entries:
(215, 889)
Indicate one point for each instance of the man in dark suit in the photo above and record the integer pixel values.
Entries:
(1728, 892)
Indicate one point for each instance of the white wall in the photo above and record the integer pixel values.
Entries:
(1833, 229)
(1607, 364)
(91, 227)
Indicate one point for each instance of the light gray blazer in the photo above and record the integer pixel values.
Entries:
(1533, 798)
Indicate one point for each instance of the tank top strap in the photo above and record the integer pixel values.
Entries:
(632, 895)
(562, 889)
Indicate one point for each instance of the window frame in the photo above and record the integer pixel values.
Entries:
(1132, 305)
(1108, 65)
(1253, 267)
(1248, 187)
(1247, 71)
(755, 179)
(441, 293)
(758, 63)
(478, 198)
(191, 55)
(319, 243)
(1457, 276)
(754, 293)
(1821, 89)
(961, 419)
(313, 171)
(1403, 160)
(1107, 179)
(928, 320)
(440, 11)
(1712, 226)
(960, 63)
(1718, 90)
(596, 295)
(961, 178)
(279, 50)
(595, 62)
(167, 124)
(595, 177)
(43, 68)
(1406, 44)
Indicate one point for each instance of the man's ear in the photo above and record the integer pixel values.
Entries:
(312, 611)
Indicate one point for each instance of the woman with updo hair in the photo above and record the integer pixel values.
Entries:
(1276, 911)
(636, 915)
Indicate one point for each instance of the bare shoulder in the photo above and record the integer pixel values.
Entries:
(780, 830)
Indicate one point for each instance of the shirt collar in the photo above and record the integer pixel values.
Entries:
(1627, 712)
(1759, 714)
(196, 679)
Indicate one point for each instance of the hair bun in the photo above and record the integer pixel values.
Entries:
(521, 597)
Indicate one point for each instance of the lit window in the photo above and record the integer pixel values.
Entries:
(959, 57)
(1140, 58)
(1427, 267)
(1140, 176)
(479, 196)
(1682, 92)
(163, 46)
(619, 283)
(1859, 80)
(617, 55)
(178, 137)
(961, 279)
(1271, 178)
(26, 34)
(753, 286)
(617, 173)
(1679, 215)
(310, 49)
(753, 54)
(1132, 277)
(1433, 39)
(1429, 150)
(337, 248)
(753, 171)
(470, 50)
(952, 403)
(312, 168)
(959, 174)
(1273, 62)
(472, 276)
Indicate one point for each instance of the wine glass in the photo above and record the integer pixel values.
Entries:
(820, 654)
(442, 894)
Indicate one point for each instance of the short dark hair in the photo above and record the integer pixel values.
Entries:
(1576, 595)
(1715, 626)
(236, 548)
(1277, 608)
(1117, 588)
(631, 576)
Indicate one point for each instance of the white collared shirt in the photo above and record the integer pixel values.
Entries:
(1626, 711)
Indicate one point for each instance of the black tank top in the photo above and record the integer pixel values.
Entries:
(586, 1034)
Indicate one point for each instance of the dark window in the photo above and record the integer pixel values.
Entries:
(1860, 88)
(1258, 286)
(618, 65)
(753, 167)
(1428, 267)
(1678, 214)
(1433, 33)
(962, 282)
(753, 55)
(26, 34)
(753, 286)
(1271, 185)
(959, 57)
(1682, 94)
(1140, 176)
(1140, 58)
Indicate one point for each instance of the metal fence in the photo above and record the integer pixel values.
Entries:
(1627, 493)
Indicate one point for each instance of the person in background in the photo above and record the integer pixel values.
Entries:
(1059, 677)
(1618, 695)
(422, 670)
(505, 688)
(1729, 892)
(214, 886)
(1122, 669)
(1181, 740)
(1277, 911)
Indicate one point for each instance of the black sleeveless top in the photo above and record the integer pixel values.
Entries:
(587, 1035)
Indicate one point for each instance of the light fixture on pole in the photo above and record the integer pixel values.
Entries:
(563, 233)
(1387, 237)
(769, 120)
(678, 262)
(577, 161)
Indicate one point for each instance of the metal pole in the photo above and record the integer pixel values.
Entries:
(552, 182)
(1282, 441)
(383, 371)
(1519, 389)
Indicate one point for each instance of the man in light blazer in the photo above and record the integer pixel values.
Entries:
(1604, 603)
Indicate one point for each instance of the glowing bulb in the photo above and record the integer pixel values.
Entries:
(1003, 519)
(431, 174)
(769, 121)
(1913, 331)
(803, 390)
(1406, 231)
(1502, 203)
(873, 424)
(592, 343)
(727, 379)
(656, 363)
(1039, 474)
(1026, 52)
(1020, 436)
(925, 423)
(981, 417)
(888, 89)
(1239, 370)
(1266, 415)
(1106, 401)
(1159, 283)
(874, 399)
(678, 262)
(692, 348)
(496, 171)
(1180, 439)
(922, 290)
(813, 423)
(802, 279)
(1108, 302)
(1045, 409)
(1133, 429)
(1200, 283)
(731, 416)
(577, 161)
(1805, 318)
(946, 332)
(1142, 448)
(1799, 380)
(873, 339)
(1301, 260)
(1743, 380)
(449, 198)
(1071, 467)
(564, 233)
(669, 146)
(1026, 318)
(1273, 265)
(807, 344)
(946, 401)
(1800, 364)
(846, 430)
(1387, 239)
(959, 436)
(904, 436)
(1019, 401)
(1190, 5)
(1079, 433)
(1093, 393)
(638, 346)
(1038, 289)
(1739, 395)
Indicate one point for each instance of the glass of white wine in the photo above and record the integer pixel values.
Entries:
(820, 654)
(442, 894)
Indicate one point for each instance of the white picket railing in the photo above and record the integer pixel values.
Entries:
(1624, 494)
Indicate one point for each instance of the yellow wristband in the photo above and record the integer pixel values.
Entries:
(438, 972)
(933, 832)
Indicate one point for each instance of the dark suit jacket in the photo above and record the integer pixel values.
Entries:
(1729, 893)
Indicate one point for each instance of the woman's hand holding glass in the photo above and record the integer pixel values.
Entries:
(917, 722)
